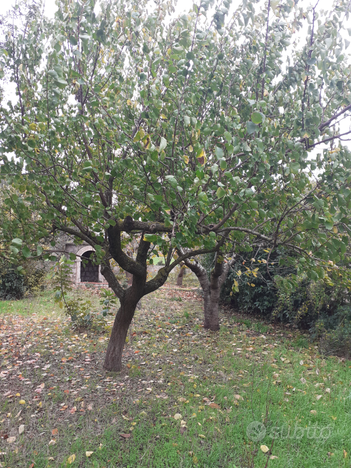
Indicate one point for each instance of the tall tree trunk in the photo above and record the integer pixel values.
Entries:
(124, 317)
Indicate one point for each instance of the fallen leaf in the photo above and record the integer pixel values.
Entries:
(10, 440)
(313, 411)
(214, 405)
(327, 390)
(22, 402)
(21, 429)
(319, 397)
(238, 397)
(89, 454)
(202, 436)
(264, 448)
(344, 454)
(54, 432)
(71, 459)
(125, 436)
(177, 416)
(303, 380)
(52, 442)
(273, 457)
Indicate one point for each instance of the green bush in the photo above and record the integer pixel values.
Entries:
(309, 301)
(12, 285)
(16, 282)
(83, 316)
(34, 278)
(334, 332)
(256, 291)
(80, 310)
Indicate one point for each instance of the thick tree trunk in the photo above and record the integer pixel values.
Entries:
(124, 316)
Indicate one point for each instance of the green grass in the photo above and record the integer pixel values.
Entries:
(187, 397)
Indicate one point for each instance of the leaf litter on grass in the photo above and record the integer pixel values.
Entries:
(180, 382)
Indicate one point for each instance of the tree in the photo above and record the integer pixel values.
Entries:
(183, 132)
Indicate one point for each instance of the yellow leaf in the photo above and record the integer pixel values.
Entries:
(202, 436)
(22, 402)
(264, 448)
(71, 459)
(186, 158)
(202, 157)
(335, 229)
(238, 272)
(89, 454)
(177, 416)
(344, 453)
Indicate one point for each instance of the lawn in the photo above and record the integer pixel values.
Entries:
(252, 395)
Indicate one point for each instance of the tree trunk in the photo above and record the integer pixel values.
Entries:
(124, 316)
(211, 306)
(211, 288)
(181, 275)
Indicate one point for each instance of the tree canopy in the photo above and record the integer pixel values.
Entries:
(194, 131)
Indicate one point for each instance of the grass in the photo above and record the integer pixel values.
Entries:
(186, 397)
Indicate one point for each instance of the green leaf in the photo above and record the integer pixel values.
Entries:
(150, 237)
(220, 192)
(219, 152)
(257, 117)
(163, 144)
(26, 252)
(17, 242)
(223, 164)
(172, 180)
(251, 127)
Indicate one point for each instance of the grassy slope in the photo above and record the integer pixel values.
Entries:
(185, 398)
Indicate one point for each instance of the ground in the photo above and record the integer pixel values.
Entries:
(252, 395)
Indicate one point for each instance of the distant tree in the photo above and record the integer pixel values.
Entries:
(183, 132)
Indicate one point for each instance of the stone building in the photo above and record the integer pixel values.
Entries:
(84, 271)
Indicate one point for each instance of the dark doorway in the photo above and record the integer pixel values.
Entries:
(89, 273)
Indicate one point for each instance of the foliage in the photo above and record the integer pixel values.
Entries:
(12, 285)
(335, 333)
(313, 305)
(17, 281)
(108, 302)
(194, 131)
(81, 310)
(83, 316)
(250, 286)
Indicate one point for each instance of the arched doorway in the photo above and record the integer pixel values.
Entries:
(89, 273)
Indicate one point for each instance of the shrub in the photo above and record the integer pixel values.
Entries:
(12, 285)
(80, 310)
(255, 291)
(309, 302)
